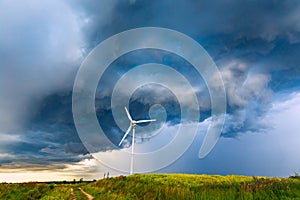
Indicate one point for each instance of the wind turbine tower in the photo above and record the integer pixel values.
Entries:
(132, 126)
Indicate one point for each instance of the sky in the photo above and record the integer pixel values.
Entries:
(255, 45)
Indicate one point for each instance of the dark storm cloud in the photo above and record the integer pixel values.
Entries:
(254, 43)
(199, 19)
(40, 51)
(50, 137)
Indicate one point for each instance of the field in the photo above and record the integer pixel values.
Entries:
(160, 186)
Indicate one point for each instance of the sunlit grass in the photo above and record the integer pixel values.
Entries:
(183, 186)
(162, 186)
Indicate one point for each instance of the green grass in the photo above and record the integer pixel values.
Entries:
(162, 186)
(78, 194)
(59, 192)
(27, 191)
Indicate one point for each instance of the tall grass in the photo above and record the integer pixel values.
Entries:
(162, 186)
(58, 192)
(33, 191)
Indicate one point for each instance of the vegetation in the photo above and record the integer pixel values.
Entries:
(161, 186)
(78, 194)
(58, 192)
(28, 191)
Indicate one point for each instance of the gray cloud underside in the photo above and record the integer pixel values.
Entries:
(254, 43)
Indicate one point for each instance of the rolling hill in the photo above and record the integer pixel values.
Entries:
(160, 186)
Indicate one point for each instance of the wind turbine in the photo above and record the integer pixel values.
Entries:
(132, 126)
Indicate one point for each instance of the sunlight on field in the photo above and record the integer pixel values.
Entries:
(88, 169)
(34, 176)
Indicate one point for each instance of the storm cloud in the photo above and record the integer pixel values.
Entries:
(254, 43)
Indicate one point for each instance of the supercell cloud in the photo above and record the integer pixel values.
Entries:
(255, 44)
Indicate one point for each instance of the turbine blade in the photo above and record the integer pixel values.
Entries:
(128, 130)
(145, 120)
(128, 115)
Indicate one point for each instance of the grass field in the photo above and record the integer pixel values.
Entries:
(161, 186)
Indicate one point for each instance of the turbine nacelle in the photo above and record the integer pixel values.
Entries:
(133, 124)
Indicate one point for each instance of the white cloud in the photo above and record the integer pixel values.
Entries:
(7, 138)
(242, 85)
(6, 156)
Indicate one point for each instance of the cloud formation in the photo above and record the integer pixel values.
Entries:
(254, 43)
(40, 50)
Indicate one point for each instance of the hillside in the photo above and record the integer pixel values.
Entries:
(161, 186)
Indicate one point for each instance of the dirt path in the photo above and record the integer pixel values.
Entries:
(90, 197)
(72, 195)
